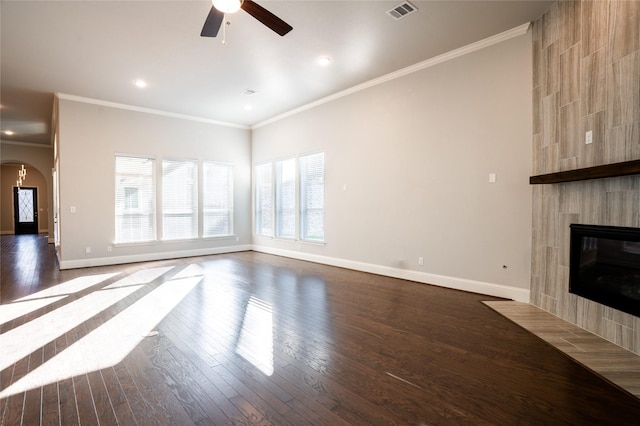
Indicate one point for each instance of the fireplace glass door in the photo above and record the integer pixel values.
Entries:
(605, 266)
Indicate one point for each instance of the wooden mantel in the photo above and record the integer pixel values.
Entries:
(624, 168)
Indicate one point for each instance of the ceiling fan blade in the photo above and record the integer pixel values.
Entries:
(266, 17)
(212, 23)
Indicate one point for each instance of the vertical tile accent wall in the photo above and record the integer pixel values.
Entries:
(586, 77)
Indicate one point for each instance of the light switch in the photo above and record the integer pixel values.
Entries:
(492, 178)
(72, 209)
(588, 137)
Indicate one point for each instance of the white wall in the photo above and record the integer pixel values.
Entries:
(415, 154)
(90, 134)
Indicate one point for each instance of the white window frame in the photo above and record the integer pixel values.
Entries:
(301, 208)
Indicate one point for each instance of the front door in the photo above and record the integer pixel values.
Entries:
(25, 206)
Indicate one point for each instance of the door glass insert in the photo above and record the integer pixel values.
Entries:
(25, 205)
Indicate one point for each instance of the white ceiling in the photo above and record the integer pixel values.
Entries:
(97, 49)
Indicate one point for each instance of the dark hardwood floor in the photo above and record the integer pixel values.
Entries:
(250, 338)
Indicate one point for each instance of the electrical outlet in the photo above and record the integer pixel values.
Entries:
(421, 261)
(87, 250)
(588, 137)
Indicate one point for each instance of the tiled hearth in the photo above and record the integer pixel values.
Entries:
(611, 361)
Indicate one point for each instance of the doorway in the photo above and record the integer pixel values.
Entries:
(25, 208)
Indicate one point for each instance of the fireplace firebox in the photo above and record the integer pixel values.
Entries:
(605, 265)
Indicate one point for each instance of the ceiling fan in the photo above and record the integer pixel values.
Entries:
(220, 7)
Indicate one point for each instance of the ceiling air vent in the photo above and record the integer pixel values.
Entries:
(402, 10)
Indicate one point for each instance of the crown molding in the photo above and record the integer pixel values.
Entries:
(109, 104)
(29, 144)
(470, 48)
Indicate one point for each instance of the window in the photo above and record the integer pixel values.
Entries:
(287, 206)
(286, 198)
(264, 200)
(131, 198)
(135, 199)
(179, 200)
(312, 197)
(217, 199)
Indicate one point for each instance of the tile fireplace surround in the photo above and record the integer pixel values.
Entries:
(586, 78)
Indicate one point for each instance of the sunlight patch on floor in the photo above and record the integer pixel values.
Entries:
(141, 277)
(15, 310)
(255, 343)
(19, 342)
(69, 287)
(33, 302)
(110, 343)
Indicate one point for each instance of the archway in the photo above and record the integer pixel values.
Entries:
(34, 179)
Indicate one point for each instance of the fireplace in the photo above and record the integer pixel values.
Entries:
(605, 266)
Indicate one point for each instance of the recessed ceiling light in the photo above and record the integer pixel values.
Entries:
(140, 83)
(8, 132)
(248, 92)
(324, 61)
(248, 107)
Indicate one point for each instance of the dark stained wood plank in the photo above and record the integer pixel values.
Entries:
(101, 400)
(67, 399)
(5, 381)
(167, 369)
(33, 397)
(86, 410)
(346, 348)
(14, 409)
(201, 391)
(50, 405)
(162, 406)
(213, 386)
(133, 395)
(50, 401)
(12, 405)
(68, 409)
(119, 401)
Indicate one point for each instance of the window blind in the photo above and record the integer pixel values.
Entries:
(286, 198)
(135, 200)
(264, 200)
(179, 200)
(217, 199)
(312, 197)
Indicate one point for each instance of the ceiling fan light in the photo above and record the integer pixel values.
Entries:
(227, 6)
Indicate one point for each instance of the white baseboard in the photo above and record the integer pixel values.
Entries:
(490, 289)
(146, 257)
